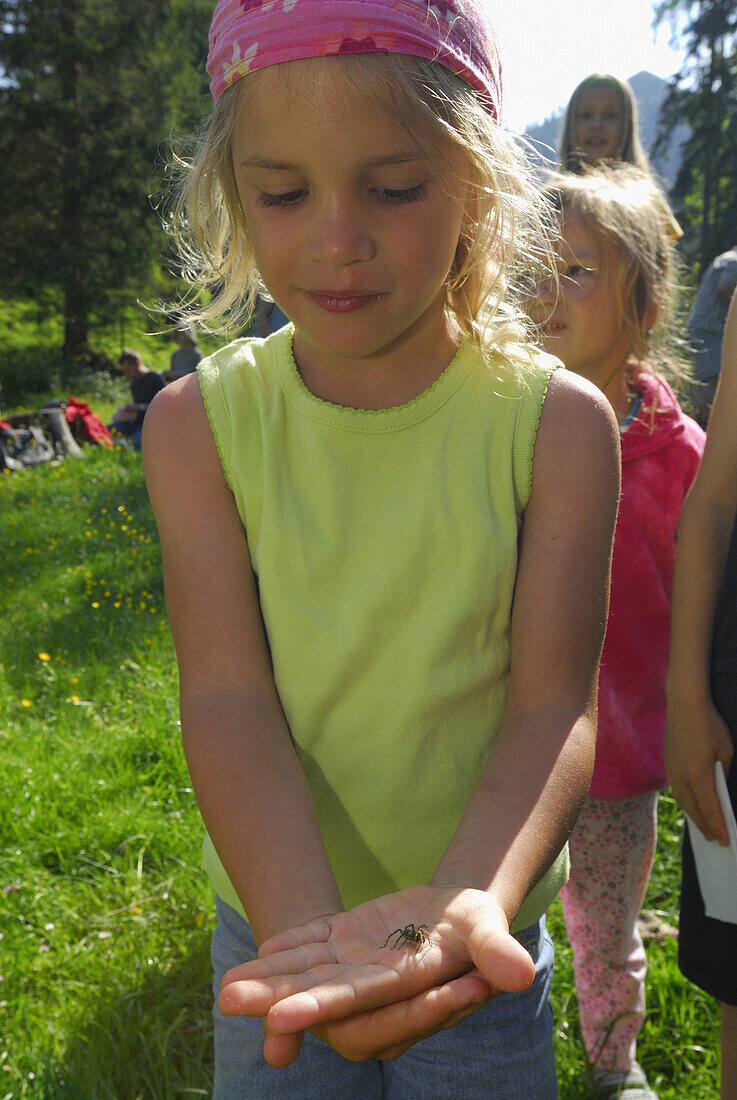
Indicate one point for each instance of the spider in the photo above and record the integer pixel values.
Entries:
(409, 934)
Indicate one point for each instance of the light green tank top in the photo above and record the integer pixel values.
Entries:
(385, 548)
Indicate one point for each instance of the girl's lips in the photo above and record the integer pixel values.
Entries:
(551, 328)
(335, 302)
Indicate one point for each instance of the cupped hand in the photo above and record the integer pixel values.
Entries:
(695, 738)
(365, 984)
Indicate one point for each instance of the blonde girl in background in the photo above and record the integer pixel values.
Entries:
(385, 533)
(601, 124)
(609, 323)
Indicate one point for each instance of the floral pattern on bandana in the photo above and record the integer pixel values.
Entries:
(252, 34)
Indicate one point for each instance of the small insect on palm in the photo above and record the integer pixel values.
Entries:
(409, 934)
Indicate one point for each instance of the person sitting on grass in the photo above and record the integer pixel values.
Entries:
(145, 384)
(185, 359)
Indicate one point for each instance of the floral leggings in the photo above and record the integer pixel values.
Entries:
(612, 848)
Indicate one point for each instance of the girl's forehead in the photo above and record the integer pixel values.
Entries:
(305, 103)
(582, 239)
(600, 95)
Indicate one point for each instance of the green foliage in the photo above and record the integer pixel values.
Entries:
(105, 914)
(703, 94)
(90, 90)
(32, 367)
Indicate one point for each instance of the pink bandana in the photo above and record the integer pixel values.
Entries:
(252, 34)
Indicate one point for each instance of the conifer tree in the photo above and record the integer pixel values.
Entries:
(90, 91)
(704, 95)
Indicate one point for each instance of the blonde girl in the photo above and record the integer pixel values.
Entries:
(601, 127)
(610, 323)
(385, 533)
(601, 124)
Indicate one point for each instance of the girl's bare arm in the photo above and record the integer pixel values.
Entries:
(696, 735)
(249, 784)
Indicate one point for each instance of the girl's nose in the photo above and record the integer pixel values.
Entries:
(341, 235)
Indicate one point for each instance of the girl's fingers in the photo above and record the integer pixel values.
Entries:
(388, 1031)
(297, 961)
(709, 811)
(355, 989)
(255, 996)
(317, 931)
(503, 961)
(281, 1050)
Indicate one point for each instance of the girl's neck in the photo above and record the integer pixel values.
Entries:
(396, 376)
(616, 388)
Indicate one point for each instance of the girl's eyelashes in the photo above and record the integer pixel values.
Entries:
(284, 198)
(398, 195)
(393, 196)
(575, 271)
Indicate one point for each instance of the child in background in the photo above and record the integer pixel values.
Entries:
(601, 125)
(702, 693)
(610, 324)
(385, 532)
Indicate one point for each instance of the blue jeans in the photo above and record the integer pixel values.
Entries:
(504, 1051)
(129, 429)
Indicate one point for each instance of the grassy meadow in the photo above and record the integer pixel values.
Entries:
(105, 914)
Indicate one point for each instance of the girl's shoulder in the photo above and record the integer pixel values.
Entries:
(577, 426)
(246, 355)
(573, 403)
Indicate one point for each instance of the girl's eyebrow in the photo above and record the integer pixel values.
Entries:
(287, 166)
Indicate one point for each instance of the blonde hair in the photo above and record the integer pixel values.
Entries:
(629, 150)
(506, 236)
(627, 208)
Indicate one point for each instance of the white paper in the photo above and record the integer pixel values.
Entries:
(716, 866)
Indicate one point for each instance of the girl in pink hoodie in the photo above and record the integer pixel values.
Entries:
(608, 321)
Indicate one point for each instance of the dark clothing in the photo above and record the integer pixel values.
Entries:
(143, 390)
(184, 361)
(725, 626)
(707, 948)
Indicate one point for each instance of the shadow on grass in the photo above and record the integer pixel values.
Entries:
(149, 1043)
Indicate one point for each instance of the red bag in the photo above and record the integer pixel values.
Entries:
(87, 426)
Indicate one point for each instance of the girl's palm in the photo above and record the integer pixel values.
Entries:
(370, 983)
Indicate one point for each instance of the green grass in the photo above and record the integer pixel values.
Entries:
(104, 911)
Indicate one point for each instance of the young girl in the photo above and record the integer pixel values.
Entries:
(601, 124)
(609, 324)
(385, 532)
(601, 127)
(702, 697)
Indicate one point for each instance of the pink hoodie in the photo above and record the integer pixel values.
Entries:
(661, 451)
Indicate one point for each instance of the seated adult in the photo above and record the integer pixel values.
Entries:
(144, 384)
(185, 359)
